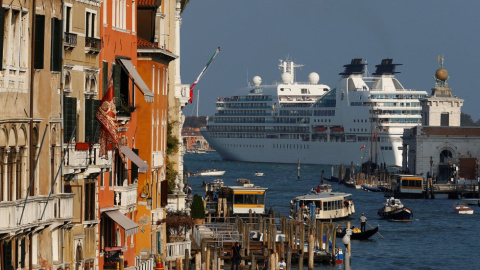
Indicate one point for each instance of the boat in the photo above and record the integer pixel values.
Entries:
(239, 199)
(394, 210)
(322, 206)
(213, 172)
(462, 209)
(471, 201)
(352, 184)
(259, 174)
(406, 186)
(370, 188)
(357, 234)
(321, 188)
(292, 121)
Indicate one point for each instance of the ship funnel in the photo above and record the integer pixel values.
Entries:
(356, 66)
(386, 68)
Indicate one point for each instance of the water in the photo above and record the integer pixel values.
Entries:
(437, 238)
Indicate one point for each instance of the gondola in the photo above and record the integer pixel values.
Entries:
(358, 235)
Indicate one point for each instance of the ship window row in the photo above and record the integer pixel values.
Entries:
(236, 128)
(242, 105)
(295, 113)
(297, 98)
(387, 112)
(404, 96)
(243, 145)
(246, 98)
(296, 105)
(290, 146)
(358, 129)
(242, 112)
(237, 135)
(287, 120)
(360, 120)
(324, 112)
(237, 119)
(397, 104)
(322, 120)
(291, 129)
(385, 148)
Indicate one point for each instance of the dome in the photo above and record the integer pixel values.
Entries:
(286, 77)
(441, 74)
(313, 78)
(257, 80)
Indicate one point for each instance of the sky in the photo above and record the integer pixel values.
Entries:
(324, 35)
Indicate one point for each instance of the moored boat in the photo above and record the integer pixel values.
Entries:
(462, 209)
(357, 234)
(471, 201)
(394, 210)
(322, 206)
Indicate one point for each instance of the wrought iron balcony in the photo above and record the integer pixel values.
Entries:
(93, 45)
(70, 40)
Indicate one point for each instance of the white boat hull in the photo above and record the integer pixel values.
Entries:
(217, 173)
(320, 153)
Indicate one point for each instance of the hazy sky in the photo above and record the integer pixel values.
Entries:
(325, 35)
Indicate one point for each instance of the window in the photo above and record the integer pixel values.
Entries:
(68, 19)
(57, 45)
(69, 117)
(90, 18)
(39, 41)
(444, 120)
(121, 86)
(119, 13)
(120, 171)
(89, 203)
(104, 77)
(92, 126)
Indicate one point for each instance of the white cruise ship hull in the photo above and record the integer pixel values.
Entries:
(289, 151)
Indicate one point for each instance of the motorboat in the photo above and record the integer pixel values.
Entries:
(322, 206)
(321, 188)
(394, 210)
(259, 174)
(213, 172)
(462, 209)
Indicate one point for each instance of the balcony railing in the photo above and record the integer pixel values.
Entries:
(126, 196)
(70, 40)
(87, 161)
(177, 250)
(93, 45)
(59, 209)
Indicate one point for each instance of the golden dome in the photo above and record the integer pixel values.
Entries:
(441, 74)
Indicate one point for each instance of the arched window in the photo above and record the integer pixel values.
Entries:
(446, 156)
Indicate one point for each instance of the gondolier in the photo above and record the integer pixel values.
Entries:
(363, 222)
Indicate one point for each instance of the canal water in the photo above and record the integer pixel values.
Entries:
(436, 238)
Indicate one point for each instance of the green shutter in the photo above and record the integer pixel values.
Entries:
(96, 124)
(134, 170)
(69, 117)
(56, 46)
(2, 31)
(39, 41)
(104, 78)
(117, 76)
(89, 118)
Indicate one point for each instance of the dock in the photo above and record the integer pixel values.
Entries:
(262, 238)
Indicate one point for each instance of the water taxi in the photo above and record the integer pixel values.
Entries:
(322, 206)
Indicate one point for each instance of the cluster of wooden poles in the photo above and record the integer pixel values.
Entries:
(291, 240)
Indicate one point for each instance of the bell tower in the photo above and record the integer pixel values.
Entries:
(441, 108)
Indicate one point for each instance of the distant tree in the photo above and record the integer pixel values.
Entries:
(197, 209)
(467, 121)
(195, 122)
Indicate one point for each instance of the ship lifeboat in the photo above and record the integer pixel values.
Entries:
(321, 128)
(336, 129)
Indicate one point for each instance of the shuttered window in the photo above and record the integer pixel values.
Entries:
(121, 80)
(39, 41)
(69, 117)
(57, 46)
(164, 193)
(2, 32)
(92, 126)
(134, 170)
(117, 74)
(104, 78)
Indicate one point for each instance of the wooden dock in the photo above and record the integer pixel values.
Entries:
(294, 241)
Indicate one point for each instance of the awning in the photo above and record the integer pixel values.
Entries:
(127, 224)
(142, 165)
(127, 64)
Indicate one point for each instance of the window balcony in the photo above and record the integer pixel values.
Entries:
(70, 40)
(86, 160)
(126, 197)
(93, 45)
(76, 161)
(177, 250)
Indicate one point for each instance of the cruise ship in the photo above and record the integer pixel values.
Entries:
(360, 120)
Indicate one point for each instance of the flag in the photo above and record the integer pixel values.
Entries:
(201, 73)
(363, 146)
(107, 116)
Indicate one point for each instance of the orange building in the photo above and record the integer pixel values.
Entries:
(152, 64)
(118, 195)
